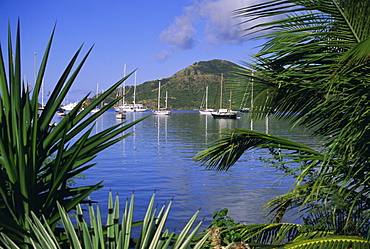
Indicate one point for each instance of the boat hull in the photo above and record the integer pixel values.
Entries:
(130, 108)
(162, 112)
(206, 111)
(120, 116)
(224, 115)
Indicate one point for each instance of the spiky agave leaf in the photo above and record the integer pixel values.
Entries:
(82, 236)
(37, 160)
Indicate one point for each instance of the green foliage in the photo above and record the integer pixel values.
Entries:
(38, 159)
(314, 70)
(221, 219)
(229, 233)
(113, 234)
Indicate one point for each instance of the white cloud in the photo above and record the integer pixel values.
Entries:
(163, 55)
(220, 26)
(181, 32)
(216, 18)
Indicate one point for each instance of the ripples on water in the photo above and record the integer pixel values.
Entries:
(159, 157)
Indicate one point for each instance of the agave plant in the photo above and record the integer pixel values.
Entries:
(114, 234)
(37, 159)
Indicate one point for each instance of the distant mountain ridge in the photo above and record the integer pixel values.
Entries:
(186, 88)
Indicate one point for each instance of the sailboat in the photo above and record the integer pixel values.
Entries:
(121, 115)
(70, 106)
(161, 111)
(224, 113)
(96, 109)
(206, 110)
(120, 109)
(135, 107)
(121, 104)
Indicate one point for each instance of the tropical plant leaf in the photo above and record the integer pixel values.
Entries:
(98, 235)
(37, 158)
(313, 70)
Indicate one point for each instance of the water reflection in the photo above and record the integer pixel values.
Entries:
(158, 156)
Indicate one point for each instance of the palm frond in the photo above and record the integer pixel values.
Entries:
(225, 152)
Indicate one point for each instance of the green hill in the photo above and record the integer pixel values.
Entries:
(186, 88)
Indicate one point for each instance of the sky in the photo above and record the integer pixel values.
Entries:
(157, 38)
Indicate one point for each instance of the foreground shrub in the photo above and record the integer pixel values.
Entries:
(114, 234)
(38, 158)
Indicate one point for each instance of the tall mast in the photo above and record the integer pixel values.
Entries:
(159, 93)
(135, 90)
(222, 75)
(166, 99)
(123, 89)
(230, 100)
(206, 97)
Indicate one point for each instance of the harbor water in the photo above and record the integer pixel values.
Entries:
(159, 157)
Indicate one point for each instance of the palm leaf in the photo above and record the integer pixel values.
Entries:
(225, 152)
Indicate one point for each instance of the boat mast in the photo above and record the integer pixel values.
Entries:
(222, 75)
(159, 93)
(97, 90)
(230, 100)
(166, 99)
(123, 89)
(135, 90)
(206, 97)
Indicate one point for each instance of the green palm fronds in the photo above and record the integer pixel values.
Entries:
(289, 235)
(314, 70)
(225, 152)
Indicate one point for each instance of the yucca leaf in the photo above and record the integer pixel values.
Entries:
(146, 221)
(71, 233)
(159, 230)
(128, 222)
(190, 237)
(185, 230)
(44, 235)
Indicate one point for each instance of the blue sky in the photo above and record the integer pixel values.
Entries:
(157, 37)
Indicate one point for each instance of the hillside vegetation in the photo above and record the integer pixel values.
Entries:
(186, 88)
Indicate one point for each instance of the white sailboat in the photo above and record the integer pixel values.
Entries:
(121, 104)
(120, 109)
(69, 106)
(96, 109)
(135, 107)
(224, 113)
(161, 111)
(206, 110)
(130, 107)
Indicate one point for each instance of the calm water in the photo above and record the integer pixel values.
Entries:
(158, 156)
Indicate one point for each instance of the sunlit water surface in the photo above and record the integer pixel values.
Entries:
(158, 157)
